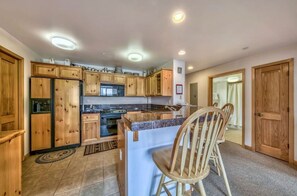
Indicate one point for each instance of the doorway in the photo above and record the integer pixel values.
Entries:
(273, 109)
(194, 94)
(229, 88)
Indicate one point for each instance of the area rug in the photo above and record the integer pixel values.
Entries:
(54, 156)
(104, 146)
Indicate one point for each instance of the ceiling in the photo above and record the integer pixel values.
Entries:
(213, 33)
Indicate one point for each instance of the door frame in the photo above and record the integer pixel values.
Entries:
(210, 88)
(20, 91)
(291, 104)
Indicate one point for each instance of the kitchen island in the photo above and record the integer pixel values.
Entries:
(140, 134)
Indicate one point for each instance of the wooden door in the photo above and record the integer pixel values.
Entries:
(194, 94)
(131, 86)
(40, 88)
(9, 93)
(40, 131)
(140, 86)
(67, 123)
(166, 81)
(271, 110)
(45, 70)
(91, 84)
(70, 72)
(90, 127)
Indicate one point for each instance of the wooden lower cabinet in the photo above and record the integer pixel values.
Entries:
(40, 131)
(11, 163)
(121, 163)
(90, 128)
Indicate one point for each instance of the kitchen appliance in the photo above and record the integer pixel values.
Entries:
(40, 106)
(108, 122)
(112, 90)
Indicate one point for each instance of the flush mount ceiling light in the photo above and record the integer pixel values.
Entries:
(135, 57)
(181, 52)
(63, 43)
(178, 16)
(233, 79)
(190, 67)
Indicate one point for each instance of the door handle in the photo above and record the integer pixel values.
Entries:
(259, 114)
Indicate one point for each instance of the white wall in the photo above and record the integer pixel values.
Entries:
(12, 44)
(201, 77)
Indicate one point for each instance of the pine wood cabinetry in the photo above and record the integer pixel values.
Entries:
(119, 79)
(121, 163)
(90, 128)
(159, 84)
(106, 77)
(166, 83)
(70, 72)
(10, 163)
(91, 84)
(40, 131)
(40, 88)
(140, 86)
(67, 115)
(131, 86)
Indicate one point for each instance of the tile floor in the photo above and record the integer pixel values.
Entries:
(91, 175)
(234, 135)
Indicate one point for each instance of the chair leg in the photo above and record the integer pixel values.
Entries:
(179, 189)
(160, 185)
(216, 161)
(222, 167)
(201, 187)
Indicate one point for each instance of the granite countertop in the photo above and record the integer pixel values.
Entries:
(153, 119)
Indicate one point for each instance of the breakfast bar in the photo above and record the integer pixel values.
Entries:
(140, 133)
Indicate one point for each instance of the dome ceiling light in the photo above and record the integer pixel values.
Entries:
(181, 52)
(178, 17)
(135, 57)
(63, 43)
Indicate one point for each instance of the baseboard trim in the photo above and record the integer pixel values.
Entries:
(248, 147)
(26, 156)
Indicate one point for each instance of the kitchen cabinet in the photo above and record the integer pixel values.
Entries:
(40, 131)
(140, 86)
(122, 157)
(91, 84)
(70, 72)
(10, 162)
(90, 128)
(67, 115)
(106, 77)
(166, 83)
(40, 88)
(131, 86)
(160, 83)
(119, 79)
(45, 70)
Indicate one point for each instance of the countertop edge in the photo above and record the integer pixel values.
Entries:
(8, 135)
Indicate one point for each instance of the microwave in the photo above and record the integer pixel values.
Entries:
(112, 90)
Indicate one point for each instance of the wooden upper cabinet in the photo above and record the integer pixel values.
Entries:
(140, 86)
(160, 84)
(131, 86)
(91, 84)
(40, 131)
(166, 83)
(106, 77)
(70, 72)
(45, 70)
(119, 79)
(40, 88)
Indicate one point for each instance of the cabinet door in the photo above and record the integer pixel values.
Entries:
(40, 88)
(140, 89)
(91, 130)
(67, 123)
(153, 82)
(131, 86)
(70, 72)
(119, 79)
(167, 83)
(147, 86)
(40, 131)
(45, 70)
(91, 84)
(106, 78)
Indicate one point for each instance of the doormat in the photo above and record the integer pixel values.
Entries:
(100, 147)
(54, 156)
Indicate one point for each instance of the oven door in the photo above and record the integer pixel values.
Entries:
(108, 124)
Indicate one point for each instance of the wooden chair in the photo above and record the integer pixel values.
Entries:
(187, 162)
(228, 109)
(215, 104)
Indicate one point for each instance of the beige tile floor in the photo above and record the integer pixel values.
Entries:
(91, 175)
(234, 135)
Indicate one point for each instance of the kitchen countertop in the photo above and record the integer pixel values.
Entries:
(153, 119)
(8, 135)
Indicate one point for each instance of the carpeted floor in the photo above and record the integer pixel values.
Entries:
(251, 173)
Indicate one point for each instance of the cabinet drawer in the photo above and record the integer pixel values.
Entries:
(90, 117)
(106, 78)
(45, 70)
(71, 73)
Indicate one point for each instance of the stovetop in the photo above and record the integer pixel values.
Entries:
(106, 111)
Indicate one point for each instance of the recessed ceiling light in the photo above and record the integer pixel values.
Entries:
(135, 57)
(190, 67)
(233, 79)
(181, 52)
(63, 43)
(178, 17)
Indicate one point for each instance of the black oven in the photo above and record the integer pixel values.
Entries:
(108, 122)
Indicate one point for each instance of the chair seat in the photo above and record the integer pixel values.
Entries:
(162, 159)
